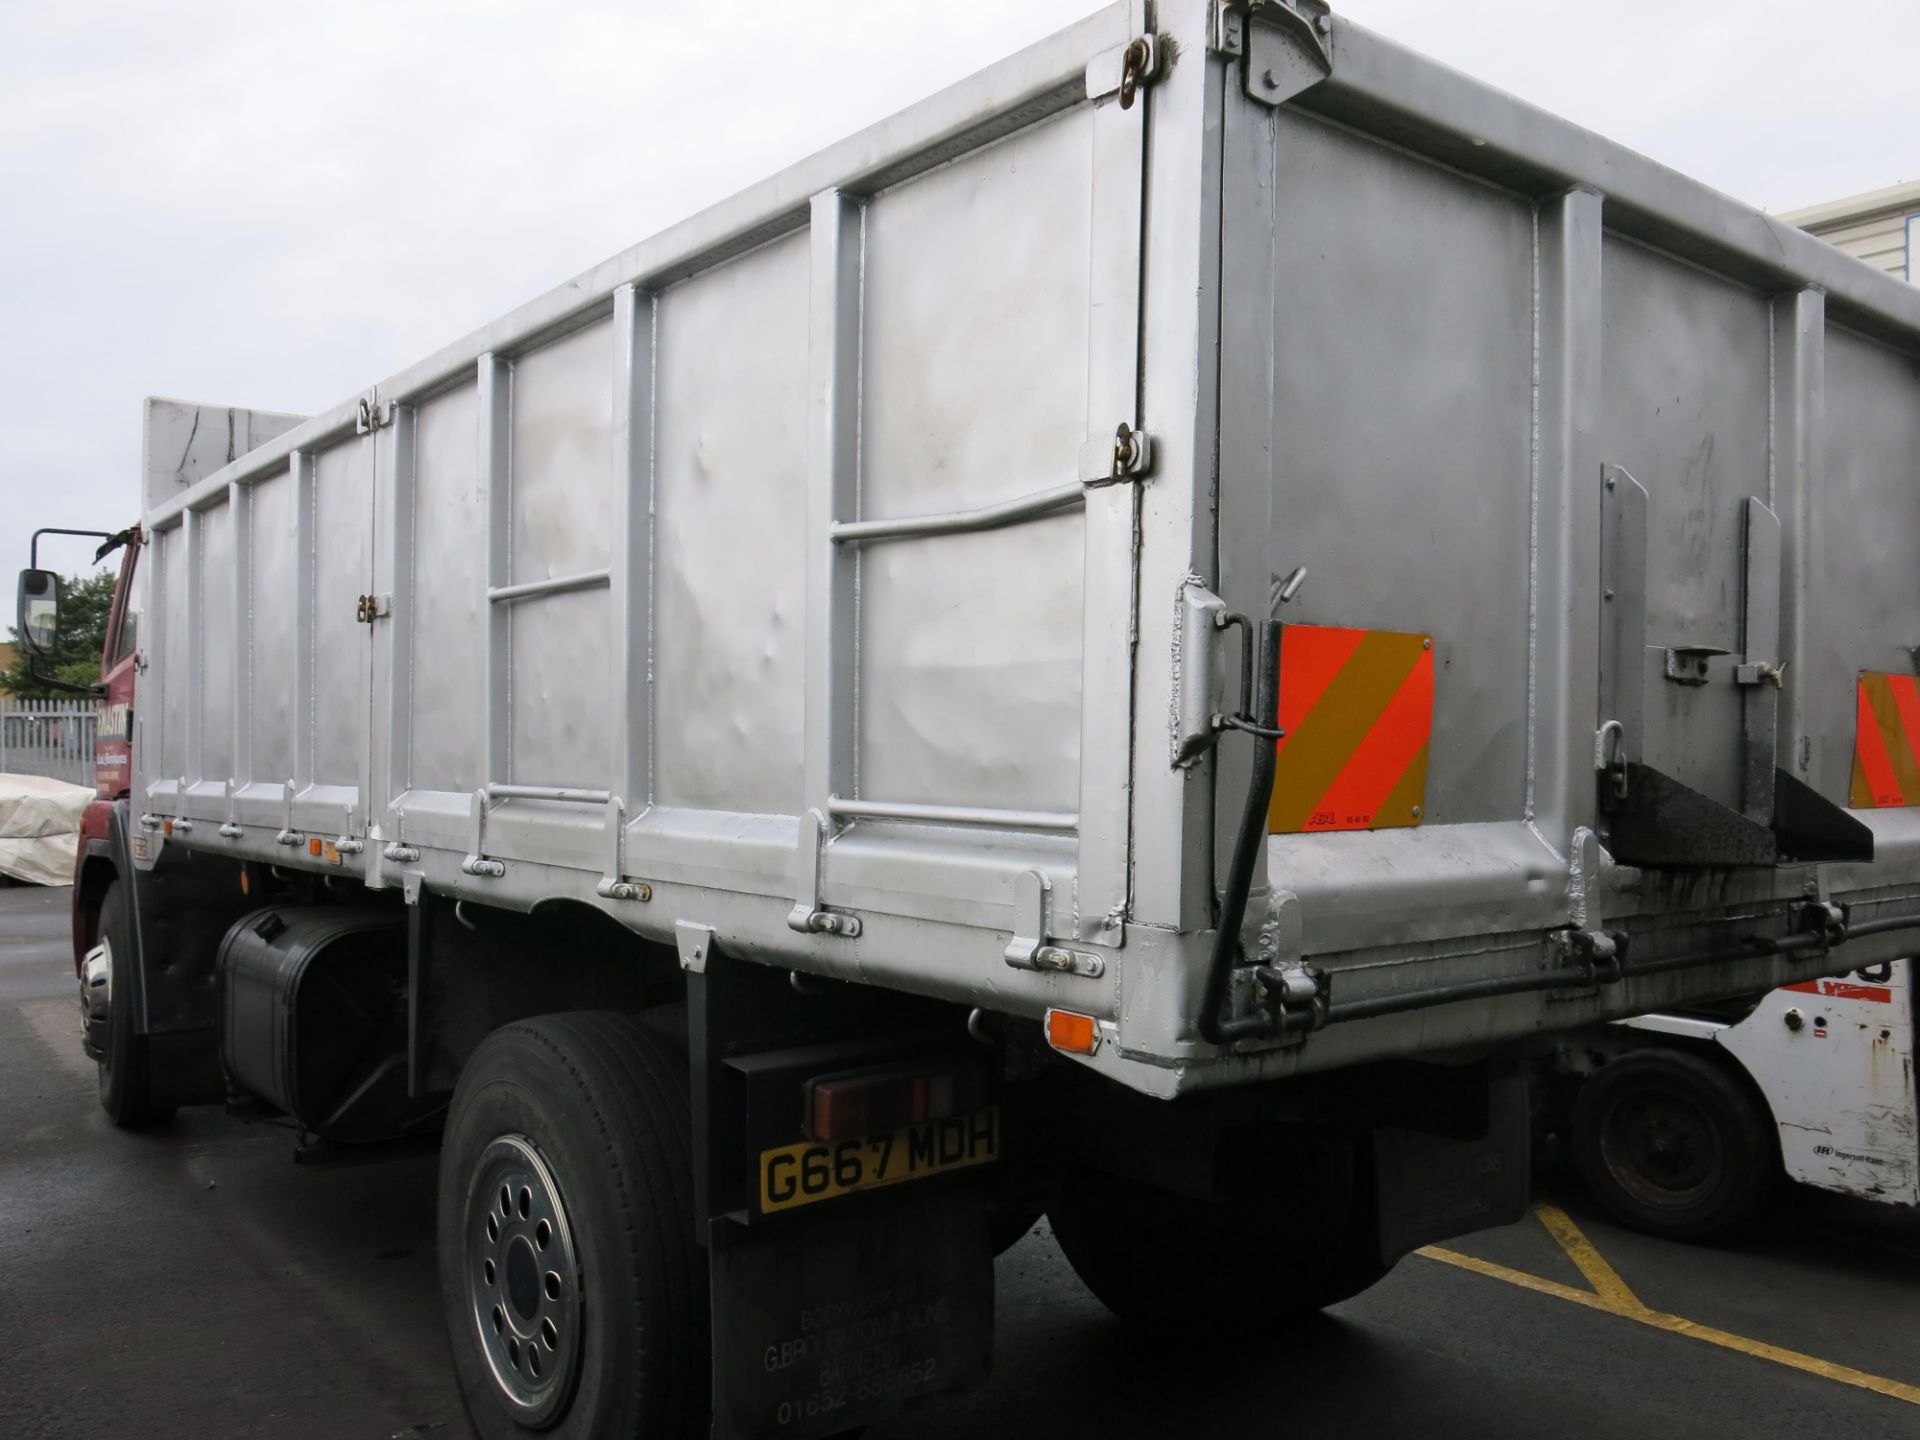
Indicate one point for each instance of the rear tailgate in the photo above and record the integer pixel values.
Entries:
(1600, 691)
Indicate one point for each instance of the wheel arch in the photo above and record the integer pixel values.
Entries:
(98, 870)
(475, 968)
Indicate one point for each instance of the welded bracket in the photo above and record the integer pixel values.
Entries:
(477, 863)
(808, 915)
(1196, 661)
(1623, 625)
(1760, 673)
(1029, 948)
(1127, 454)
(1584, 894)
(695, 943)
(1691, 664)
(288, 835)
(614, 885)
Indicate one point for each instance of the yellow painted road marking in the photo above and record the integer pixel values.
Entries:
(1605, 1280)
(1515, 1277)
(1611, 1296)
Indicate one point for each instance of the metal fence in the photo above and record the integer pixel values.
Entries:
(48, 737)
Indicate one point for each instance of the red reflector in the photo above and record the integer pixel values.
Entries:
(844, 1107)
(1075, 1034)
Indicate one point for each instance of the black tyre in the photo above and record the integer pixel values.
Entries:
(574, 1292)
(1674, 1144)
(1170, 1262)
(126, 1071)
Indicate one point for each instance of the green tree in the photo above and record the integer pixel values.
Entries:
(85, 606)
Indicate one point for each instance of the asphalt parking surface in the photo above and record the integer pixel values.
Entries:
(197, 1282)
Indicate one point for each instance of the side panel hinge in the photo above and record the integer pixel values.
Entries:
(1287, 44)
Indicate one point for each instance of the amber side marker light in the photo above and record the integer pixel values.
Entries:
(1075, 1034)
(313, 846)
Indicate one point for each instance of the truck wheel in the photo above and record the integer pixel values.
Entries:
(1672, 1144)
(574, 1291)
(126, 1073)
(1165, 1261)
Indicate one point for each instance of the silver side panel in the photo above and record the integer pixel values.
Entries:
(730, 518)
(271, 640)
(974, 376)
(756, 571)
(561, 487)
(446, 744)
(1401, 437)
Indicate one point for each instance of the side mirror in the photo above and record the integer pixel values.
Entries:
(39, 610)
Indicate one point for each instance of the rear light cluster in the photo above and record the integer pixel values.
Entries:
(875, 1102)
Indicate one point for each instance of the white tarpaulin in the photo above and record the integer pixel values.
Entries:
(40, 828)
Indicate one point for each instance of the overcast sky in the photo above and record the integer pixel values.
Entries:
(277, 205)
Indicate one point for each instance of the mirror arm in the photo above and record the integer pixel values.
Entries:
(33, 548)
(39, 677)
(112, 543)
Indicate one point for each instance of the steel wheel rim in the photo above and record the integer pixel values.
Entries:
(97, 1019)
(1662, 1148)
(523, 1279)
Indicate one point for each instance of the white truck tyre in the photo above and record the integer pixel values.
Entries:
(1674, 1143)
(126, 1073)
(574, 1291)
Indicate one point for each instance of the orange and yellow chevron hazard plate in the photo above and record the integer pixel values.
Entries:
(1886, 742)
(1357, 708)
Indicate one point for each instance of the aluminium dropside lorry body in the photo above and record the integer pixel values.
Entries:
(1218, 573)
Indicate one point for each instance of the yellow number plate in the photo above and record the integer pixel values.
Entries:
(815, 1170)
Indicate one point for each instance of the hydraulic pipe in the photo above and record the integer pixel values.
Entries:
(1249, 848)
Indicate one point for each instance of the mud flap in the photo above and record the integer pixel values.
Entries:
(824, 1323)
(1434, 1187)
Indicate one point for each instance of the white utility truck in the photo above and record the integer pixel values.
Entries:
(1680, 1121)
(1121, 641)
